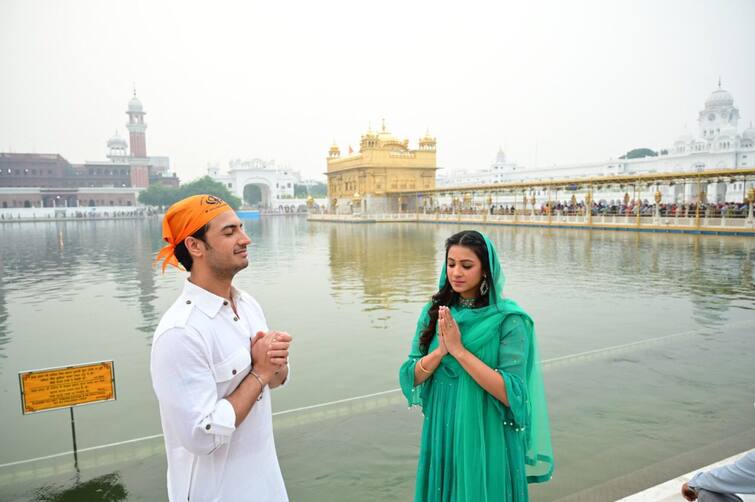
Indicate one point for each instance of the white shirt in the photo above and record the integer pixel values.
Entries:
(200, 354)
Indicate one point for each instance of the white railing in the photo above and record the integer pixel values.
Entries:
(71, 213)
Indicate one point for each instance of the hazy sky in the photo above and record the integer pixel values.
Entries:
(551, 82)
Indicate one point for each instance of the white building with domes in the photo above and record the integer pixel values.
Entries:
(718, 144)
(499, 171)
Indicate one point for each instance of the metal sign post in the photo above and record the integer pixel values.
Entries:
(66, 387)
(73, 434)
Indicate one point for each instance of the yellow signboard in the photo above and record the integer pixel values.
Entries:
(54, 388)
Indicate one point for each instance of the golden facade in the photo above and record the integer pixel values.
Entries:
(364, 181)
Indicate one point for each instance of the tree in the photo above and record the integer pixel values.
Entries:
(300, 191)
(316, 190)
(639, 153)
(209, 186)
(161, 195)
(158, 195)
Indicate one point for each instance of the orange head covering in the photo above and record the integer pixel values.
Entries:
(183, 219)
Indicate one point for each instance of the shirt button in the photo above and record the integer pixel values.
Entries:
(188, 302)
(225, 302)
(235, 318)
(207, 427)
(234, 372)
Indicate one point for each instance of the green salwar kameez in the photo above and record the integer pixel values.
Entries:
(473, 448)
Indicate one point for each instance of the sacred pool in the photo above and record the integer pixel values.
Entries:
(647, 343)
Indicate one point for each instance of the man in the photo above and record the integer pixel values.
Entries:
(723, 483)
(213, 362)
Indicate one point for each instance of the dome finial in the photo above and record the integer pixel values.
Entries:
(383, 125)
(719, 81)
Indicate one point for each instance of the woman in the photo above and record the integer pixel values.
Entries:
(473, 368)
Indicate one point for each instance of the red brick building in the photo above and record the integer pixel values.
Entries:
(49, 180)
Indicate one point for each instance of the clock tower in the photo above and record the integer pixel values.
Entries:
(719, 114)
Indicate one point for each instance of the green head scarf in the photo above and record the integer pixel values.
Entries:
(476, 410)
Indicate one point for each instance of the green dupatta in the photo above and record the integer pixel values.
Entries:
(481, 330)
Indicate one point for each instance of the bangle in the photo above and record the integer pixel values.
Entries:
(262, 385)
(419, 361)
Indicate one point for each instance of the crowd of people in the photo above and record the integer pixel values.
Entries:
(609, 208)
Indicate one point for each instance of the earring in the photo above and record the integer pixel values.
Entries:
(484, 287)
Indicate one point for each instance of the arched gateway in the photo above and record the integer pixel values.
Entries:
(256, 182)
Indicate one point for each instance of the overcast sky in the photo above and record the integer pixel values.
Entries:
(550, 82)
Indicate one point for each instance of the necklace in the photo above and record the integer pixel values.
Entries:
(467, 303)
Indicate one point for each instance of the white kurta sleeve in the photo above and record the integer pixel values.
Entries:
(183, 379)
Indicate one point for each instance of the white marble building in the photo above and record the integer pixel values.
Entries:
(276, 183)
(500, 170)
(717, 144)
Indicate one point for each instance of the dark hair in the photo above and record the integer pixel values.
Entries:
(473, 240)
(182, 254)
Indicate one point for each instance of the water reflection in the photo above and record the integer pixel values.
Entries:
(714, 273)
(72, 292)
(106, 488)
(389, 265)
(52, 262)
(4, 337)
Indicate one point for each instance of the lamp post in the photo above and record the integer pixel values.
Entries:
(697, 206)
